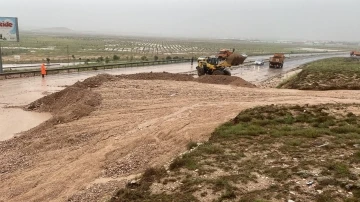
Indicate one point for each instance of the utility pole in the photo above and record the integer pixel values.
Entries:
(1, 64)
(67, 48)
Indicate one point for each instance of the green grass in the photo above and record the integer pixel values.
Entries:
(266, 141)
(338, 169)
(140, 191)
(184, 161)
(327, 74)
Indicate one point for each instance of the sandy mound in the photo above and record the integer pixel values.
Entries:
(158, 76)
(73, 102)
(67, 105)
(95, 81)
(78, 100)
(225, 80)
(218, 79)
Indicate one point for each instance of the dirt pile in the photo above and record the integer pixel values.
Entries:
(211, 79)
(73, 102)
(225, 80)
(79, 100)
(158, 76)
(95, 81)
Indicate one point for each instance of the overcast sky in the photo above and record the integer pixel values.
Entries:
(264, 19)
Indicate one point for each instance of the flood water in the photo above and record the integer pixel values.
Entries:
(20, 92)
(13, 121)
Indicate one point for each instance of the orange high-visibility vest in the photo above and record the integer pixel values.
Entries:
(43, 69)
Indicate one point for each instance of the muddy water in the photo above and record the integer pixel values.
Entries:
(13, 121)
(22, 91)
(19, 92)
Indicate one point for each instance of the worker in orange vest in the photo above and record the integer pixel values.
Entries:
(43, 70)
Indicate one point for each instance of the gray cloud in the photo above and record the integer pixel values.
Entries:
(280, 19)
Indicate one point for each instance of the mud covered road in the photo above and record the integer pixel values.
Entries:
(256, 74)
(138, 124)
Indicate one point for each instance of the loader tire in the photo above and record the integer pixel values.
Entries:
(200, 71)
(218, 72)
(227, 72)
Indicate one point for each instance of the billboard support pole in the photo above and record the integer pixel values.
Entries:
(1, 63)
(9, 32)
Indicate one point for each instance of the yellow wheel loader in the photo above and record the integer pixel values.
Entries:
(215, 66)
(212, 66)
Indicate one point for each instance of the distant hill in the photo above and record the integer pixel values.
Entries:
(54, 30)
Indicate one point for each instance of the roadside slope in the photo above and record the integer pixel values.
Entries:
(267, 153)
(328, 74)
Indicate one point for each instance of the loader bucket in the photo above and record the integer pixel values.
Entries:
(236, 59)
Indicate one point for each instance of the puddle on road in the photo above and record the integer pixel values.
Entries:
(17, 92)
(15, 120)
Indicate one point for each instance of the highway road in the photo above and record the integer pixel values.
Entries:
(256, 74)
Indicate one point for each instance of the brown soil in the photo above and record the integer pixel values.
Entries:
(121, 128)
(95, 81)
(211, 79)
(158, 76)
(72, 103)
(225, 80)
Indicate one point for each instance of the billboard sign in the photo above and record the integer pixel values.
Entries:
(9, 29)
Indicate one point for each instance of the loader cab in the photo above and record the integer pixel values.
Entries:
(212, 60)
(201, 59)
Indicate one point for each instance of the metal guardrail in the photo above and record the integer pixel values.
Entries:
(34, 65)
(94, 67)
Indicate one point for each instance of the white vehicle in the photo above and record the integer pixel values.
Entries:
(259, 62)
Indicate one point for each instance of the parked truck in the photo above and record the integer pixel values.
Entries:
(354, 53)
(277, 61)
